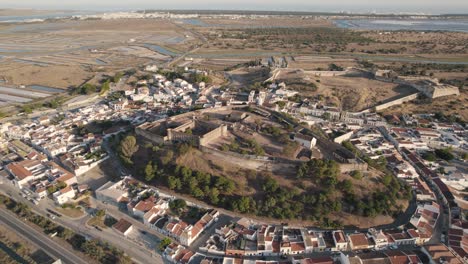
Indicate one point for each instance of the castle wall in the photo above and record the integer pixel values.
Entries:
(327, 73)
(181, 137)
(183, 127)
(265, 163)
(446, 91)
(348, 167)
(151, 136)
(397, 101)
(216, 133)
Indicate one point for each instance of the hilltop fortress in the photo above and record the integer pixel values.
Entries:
(173, 130)
(210, 129)
(430, 87)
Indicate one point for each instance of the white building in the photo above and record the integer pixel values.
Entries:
(306, 141)
(65, 195)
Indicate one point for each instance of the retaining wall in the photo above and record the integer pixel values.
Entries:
(397, 101)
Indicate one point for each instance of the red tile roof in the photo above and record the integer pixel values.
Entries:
(19, 171)
(339, 237)
(358, 240)
(146, 205)
(122, 225)
(297, 247)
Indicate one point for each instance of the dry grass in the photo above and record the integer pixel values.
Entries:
(53, 76)
(70, 212)
(97, 221)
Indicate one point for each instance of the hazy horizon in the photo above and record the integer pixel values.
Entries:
(397, 6)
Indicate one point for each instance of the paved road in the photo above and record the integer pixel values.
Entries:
(136, 251)
(41, 240)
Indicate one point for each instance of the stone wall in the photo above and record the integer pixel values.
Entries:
(348, 167)
(397, 101)
(182, 128)
(445, 91)
(177, 136)
(151, 136)
(216, 133)
(266, 163)
(326, 73)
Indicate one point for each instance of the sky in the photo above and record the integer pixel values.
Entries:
(418, 6)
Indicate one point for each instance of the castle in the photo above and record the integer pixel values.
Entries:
(172, 130)
(430, 87)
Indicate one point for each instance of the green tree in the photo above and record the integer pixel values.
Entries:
(128, 146)
(445, 154)
(100, 213)
(244, 204)
(117, 77)
(174, 183)
(66, 233)
(334, 67)
(347, 186)
(93, 249)
(214, 195)
(429, 156)
(270, 185)
(164, 243)
(356, 174)
(149, 171)
(51, 189)
(197, 192)
(167, 157)
(87, 89)
(326, 116)
(27, 109)
(177, 205)
(387, 179)
(105, 87)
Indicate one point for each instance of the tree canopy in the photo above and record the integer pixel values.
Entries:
(128, 146)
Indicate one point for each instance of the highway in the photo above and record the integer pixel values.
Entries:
(40, 239)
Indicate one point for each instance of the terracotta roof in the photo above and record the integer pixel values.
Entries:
(39, 190)
(66, 190)
(18, 171)
(186, 257)
(399, 235)
(358, 240)
(297, 247)
(339, 237)
(122, 225)
(145, 205)
(455, 232)
(318, 260)
(67, 176)
(413, 233)
(150, 213)
(181, 254)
